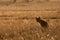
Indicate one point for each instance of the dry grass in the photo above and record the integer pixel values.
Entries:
(28, 30)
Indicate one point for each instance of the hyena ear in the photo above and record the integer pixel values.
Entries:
(39, 18)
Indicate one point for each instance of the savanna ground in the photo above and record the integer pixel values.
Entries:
(18, 21)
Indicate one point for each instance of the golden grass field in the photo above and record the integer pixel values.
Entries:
(18, 20)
